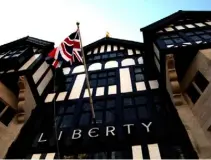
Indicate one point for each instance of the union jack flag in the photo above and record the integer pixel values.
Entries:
(67, 50)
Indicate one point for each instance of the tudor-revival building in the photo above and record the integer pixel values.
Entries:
(179, 45)
(151, 99)
(21, 85)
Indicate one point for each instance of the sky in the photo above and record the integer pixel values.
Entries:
(53, 20)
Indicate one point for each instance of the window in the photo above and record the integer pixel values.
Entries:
(139, 100)
(102, 79)
(78, 69)
(85, 119)
(105, 56)
(128, 62)
(110, 103)
(111, 64)
(189, 34)
(206, 36)
(110, 117)
(97, 57)
(195, 38)
(168, 41)
(142, 112)
(193, 93)
(128, 102)
(201, 81)
(139, 76)
(199, 32)
(95, 66)
(112, 55)
(66, 121)
(197, 86)
(129, 114)
(179, 40)
(7, 113)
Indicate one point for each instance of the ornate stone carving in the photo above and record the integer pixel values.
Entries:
(21, 101)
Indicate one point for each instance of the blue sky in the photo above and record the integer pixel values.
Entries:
(53, 20)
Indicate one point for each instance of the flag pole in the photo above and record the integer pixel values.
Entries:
(87, 78)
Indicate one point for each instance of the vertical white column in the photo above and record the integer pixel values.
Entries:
(77, 86)
(154, 152)
(125, 80)
(137, 152)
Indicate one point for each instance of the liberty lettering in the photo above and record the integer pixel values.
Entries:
(110, 129)
(147, 126)
(128, 127)
(91, 132)
(78, 134)
(94, 132)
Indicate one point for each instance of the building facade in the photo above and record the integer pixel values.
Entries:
(179, 45)
(148, 97)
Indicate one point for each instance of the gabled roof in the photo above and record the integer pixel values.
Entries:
(107, 40)
(22, 41)
(176, 16)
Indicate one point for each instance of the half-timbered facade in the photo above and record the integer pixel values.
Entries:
(132, 117)
(23, 77)
(151, 99)
(179, 45)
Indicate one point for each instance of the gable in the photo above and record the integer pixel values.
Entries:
(179, 21)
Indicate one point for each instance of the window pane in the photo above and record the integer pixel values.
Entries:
(193, 93)
(120, 54)
(189, 34)
(138, 70)
(206, 36)
(85, 119)
(99, 105)
(139, 77)
(105, 56)
(69, 79)
(67, 121)
(199, 32)
(111, 74)
(2, 106)
(195, 38)
(101, 75)
(86, 106)
(7, 116)
(128, 101)
(111, 81)
(201, 81)
(57, 121)
(99, 117)
(61, 110)
(101, 82)
(168, 41)
(70, 109)
(111, 103)
(142, 113)
(67, 86)
(110, 116)
(209, 31)
(96, 57)
(129, 114)
(174, 36)
(93, 76)
(93, 83)
(179, 40)
(112, 55)
(140, 100)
